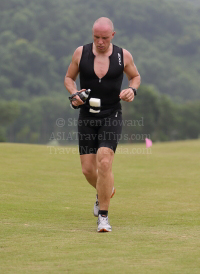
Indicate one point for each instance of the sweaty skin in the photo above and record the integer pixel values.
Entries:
(102, 47)
(97, 168)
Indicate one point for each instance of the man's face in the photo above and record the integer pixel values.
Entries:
(102, 36)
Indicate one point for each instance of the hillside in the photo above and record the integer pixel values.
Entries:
(37, 39)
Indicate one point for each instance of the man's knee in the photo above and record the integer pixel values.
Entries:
(104, 165)
(104, 160)
(87, 170)
(88, 163)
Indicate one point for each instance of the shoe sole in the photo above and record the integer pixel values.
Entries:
(113, 193)
(104, 230)
(95, 215)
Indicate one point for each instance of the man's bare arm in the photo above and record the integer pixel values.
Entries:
(71, 75)
(132, 75)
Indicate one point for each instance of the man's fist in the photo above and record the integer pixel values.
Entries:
(127, 95)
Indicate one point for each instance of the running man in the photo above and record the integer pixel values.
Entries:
(101, 66)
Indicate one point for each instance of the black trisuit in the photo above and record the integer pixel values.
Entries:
(101, 129)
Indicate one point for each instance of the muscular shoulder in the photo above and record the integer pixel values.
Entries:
(128, 58)
(77, 55)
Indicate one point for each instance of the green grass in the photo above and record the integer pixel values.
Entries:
(46, 221)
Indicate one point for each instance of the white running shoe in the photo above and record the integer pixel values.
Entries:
(96, 204)
(103, 224)
(96, 207)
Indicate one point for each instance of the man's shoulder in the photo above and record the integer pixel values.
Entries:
(127, 57)
(78, 51)
(117, 48)
(77, 54)
(126, 53)
(88, 45)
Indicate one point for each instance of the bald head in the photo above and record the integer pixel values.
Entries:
(103, 33)
(104, 22)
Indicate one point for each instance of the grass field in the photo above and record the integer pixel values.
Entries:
(46, 221)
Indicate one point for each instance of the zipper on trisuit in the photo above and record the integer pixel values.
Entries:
(116, 114)
(99, 80)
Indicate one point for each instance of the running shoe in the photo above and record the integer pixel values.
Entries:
(96, 207)
(103, 224)
(96, 204)
(113, 192)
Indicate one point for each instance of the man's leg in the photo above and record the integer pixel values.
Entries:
(105, 179)
(89, 168)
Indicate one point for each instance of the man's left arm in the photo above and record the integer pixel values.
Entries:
(133, 77)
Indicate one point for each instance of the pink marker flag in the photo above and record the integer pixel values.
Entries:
(148, 142)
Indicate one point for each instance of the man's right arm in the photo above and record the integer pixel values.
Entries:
(73, 71)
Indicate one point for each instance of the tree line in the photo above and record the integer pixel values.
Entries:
(37, 39)
(151, 114)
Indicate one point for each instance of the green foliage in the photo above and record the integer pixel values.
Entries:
(38, 38)
(161, 118)
(38, 119)
(189, 125)
(151, 115)
(9, 111)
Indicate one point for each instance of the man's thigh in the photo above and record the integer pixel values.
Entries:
(110, 133)
(88, 161)
(88, 136)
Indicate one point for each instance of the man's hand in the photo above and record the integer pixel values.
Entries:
(78, 100)
(127, 95)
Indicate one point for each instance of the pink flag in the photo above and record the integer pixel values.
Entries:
(148, 142)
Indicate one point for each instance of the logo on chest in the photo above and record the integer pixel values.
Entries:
(119, 59)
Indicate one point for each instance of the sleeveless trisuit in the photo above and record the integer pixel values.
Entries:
(101, 129)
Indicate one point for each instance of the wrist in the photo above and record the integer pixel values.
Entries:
(134, 90)
(72, 91)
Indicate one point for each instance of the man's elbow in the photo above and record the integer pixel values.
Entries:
(66, 80)
(140, 78)
(137, 78)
